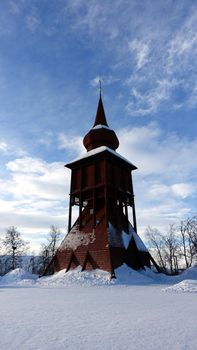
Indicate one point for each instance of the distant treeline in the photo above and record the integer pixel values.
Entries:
(175, 249)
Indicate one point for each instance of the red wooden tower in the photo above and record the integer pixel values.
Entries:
(101, 187)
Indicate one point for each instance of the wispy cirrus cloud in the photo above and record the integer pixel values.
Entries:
(33, 20)
(142, 54)
(14, 7)
(150, 101)
(141, 50)
(155, 58)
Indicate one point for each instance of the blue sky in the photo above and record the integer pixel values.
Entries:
(51, 55)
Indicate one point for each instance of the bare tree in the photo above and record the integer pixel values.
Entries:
(193, 233)
(15, 247)
(171, 249)
(177, 248)
(165, 248)
(53, 239)
(186, 249)
(156, 243)
(49, 248)
(1, 258)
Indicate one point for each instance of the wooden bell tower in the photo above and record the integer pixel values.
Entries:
(103, 236)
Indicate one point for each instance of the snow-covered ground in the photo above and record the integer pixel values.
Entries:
(85, 310)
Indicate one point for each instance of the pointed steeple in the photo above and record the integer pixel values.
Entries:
(100, 134)
(100, 118)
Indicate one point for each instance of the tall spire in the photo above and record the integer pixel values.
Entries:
(100, 118)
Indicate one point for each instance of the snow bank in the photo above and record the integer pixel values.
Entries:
(128, 276)
(18, 276)
(124, 276)
(190, 273)
(184, 286)
(76, 276)
(187, 282)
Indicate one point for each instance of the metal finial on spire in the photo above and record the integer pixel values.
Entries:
(100, 86)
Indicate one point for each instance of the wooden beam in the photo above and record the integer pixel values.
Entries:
(70, 214)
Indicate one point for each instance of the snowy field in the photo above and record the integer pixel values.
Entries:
(138, 310)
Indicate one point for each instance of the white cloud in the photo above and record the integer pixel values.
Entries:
(34, 196)
(150, 52)
(34, 226)
(35, 193)
(165, 182)
(27, 165)
(161, 191)
(71, 142)
(183, 46)
(105, 80)
(141, 50)
(192, 99)
(95, 81)
(8, 148)
(37, 178)
(150, 101)
(183, 189)
(167, 67)
(3, 146)
(156, 59)
(158, 191)
(156, 153)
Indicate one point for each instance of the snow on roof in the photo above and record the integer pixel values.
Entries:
(100, 150)
(124, 238)
(101, 126)
(119, 239)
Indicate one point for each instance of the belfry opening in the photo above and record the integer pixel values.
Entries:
(104, 235)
